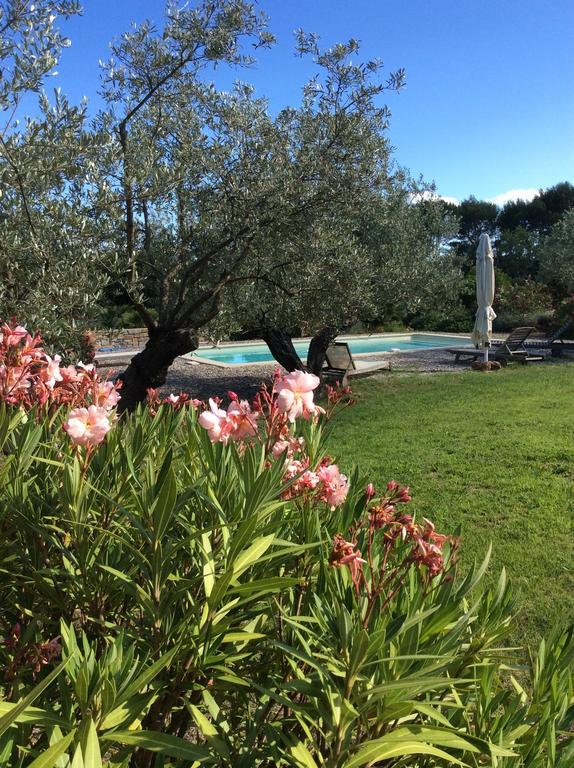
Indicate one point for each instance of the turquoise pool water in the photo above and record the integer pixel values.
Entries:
(240, 354)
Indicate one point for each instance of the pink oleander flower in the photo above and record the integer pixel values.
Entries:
(279, 448)
(107, 395)
(345, 553)
(370, 491)
(243, 420)
(295, 394)
(334, 485)
(70, 375)
(88, 426)
(306, 482)
(11, 337)
(214, 421)
(50, 373)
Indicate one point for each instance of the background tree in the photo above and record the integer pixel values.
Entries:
(557, 256)
(47, 241)
(476, 217)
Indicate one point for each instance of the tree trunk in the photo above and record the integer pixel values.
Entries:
(148, 369)
(281, 347)
(317, 348)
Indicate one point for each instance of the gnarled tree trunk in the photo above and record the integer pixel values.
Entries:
(318, 347)
(148, 369)
(281, 347)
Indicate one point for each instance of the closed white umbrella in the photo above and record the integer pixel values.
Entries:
(482, 330)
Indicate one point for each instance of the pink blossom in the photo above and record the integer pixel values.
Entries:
(335, 486)
(279, 447)
(107, 395)
(213, 421)
(295, 394)
(70, 374)
(88, 426)
(370, 491)
(50, 373)
(345, 553)
(11, 337)
(242, 419)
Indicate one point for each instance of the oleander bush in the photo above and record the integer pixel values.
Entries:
(198, 585)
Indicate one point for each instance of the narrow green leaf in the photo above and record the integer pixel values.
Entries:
(10, 717)
(49, 758)
(162, 743)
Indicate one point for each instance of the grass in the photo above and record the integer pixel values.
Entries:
(491, 453)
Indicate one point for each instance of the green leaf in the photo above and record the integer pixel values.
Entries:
(11, 717)
(208, 564)
(48, 758)
(302, 756)
(165, 505)
(147, 676)
(34, 715)
(209, 731)
(162, 743)
(92, 755)
(250, 555)
(377, 750)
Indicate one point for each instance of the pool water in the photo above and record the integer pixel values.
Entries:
(241, 354)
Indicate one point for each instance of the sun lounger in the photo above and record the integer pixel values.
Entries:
(340, 365)
(557, 343)
(512, 348)
(470, 353)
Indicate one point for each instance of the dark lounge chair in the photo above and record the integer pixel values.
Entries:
(512, 348)
(557, 343)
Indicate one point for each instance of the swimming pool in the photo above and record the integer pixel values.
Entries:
(258, 352)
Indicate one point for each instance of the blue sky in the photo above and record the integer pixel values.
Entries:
(488, 108)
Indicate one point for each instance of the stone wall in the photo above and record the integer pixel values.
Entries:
(119, 339)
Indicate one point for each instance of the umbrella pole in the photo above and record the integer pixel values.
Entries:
(486, 352)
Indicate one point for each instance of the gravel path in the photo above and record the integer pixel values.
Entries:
(204, 381)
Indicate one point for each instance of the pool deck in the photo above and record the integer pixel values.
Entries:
(205, 381)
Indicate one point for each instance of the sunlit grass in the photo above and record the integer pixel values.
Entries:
(491, 453)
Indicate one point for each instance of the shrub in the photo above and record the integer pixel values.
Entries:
(202, 585)
(525, 302)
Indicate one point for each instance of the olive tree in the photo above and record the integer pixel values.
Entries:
(212, 192)
(48, 240)
(556, 255)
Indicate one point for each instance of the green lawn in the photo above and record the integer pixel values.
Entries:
(493, 453)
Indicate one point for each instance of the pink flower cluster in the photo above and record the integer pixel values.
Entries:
(30, 655)
(291, 397)
(392, 542)
(236, 423)
(327, 484)
(295, 395)
(29, 378)
(154, 400)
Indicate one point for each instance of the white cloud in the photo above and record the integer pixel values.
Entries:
(447, 199)
(514, 194)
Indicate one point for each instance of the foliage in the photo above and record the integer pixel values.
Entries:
(213, 603)
(51, 242)
(557, 255)
(523, 302)
(541, 213)
(516, 253)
